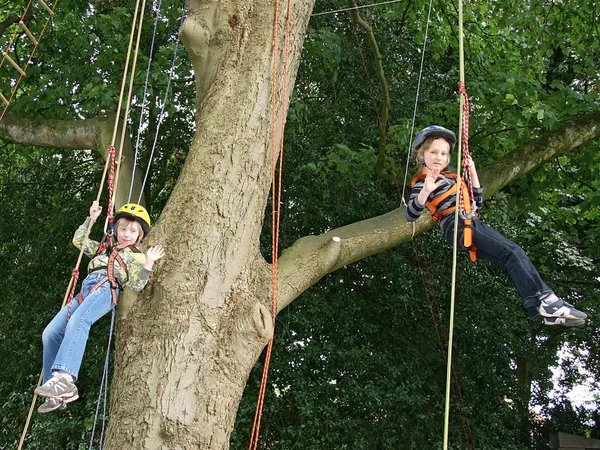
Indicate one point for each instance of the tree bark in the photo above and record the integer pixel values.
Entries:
(186, 345)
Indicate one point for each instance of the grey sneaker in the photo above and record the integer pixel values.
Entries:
(58, 386)
(560, 308)
(52, 404)
(563, 321)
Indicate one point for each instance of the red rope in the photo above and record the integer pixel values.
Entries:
(276, 183)
(465, 142)
(73, 284)
(111, 183)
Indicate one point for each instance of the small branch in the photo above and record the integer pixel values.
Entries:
(383, 84)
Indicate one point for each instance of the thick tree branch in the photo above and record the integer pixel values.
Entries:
(81, 134)
(94, 134)
(304, 263)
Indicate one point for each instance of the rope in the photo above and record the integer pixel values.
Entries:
(275, 204)
(103, 385)
(143, 109)
(436, 315)
(36, 42)
(414, 118)
(162, 113)
(355, 7)
(130, 91)
(456, 218)
(109, 161)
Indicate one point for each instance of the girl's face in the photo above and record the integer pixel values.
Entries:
(437, 155)
(128, 231)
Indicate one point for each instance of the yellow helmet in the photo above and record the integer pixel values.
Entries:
(135, 212)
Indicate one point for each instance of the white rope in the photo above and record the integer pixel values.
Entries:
(355, 7)
(143, 110)
(414, 118)
(162, 110)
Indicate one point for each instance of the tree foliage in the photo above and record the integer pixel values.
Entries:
(357, 362)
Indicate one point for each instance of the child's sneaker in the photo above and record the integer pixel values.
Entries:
(60, 385)
(560, 308)
(564, 322)
(52, 404)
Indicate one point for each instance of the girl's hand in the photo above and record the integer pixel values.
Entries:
(471, 165)
(430, 183)
(95, 210)
(154, 253)
(473, 176)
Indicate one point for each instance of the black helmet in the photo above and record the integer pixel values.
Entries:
(433, 131)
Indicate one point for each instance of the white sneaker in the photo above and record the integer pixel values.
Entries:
(59, 386)
(52, 404)
(560, 308)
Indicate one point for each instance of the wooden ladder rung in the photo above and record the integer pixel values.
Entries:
(3, 98)
(15, 65)
(22, 24)
(43, 3)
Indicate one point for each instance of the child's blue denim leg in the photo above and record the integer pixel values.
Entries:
(51, 339)
(64, 342)
(505, 254)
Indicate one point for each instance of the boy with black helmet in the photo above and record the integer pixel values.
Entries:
(65, 337)
(435, 188)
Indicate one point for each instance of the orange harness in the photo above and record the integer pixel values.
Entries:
(437, 215)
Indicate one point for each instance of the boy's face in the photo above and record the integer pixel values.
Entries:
(128, 231)
(437, 156)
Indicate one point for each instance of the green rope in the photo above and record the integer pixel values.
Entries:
(456, 218)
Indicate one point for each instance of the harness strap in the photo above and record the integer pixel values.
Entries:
(437, 215)
(110, 273)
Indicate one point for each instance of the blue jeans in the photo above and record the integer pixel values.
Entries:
(505, 254)
(64, 341)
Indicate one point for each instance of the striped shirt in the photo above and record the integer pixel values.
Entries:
(414, 209)
(138, 275)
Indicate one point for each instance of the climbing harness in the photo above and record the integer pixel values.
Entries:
(110, 272)
(466, 211)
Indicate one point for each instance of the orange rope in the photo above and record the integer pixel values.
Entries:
(276, 184)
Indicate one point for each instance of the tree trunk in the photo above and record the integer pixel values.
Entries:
(186, 345)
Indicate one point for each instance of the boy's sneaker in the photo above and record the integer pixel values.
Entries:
(560, 308)
(60, 385)
(564, 322)
(52, 404)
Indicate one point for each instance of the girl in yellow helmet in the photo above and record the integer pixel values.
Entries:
(65, 337)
